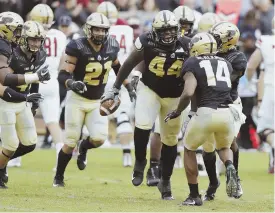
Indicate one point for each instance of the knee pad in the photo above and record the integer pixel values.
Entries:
(263, 134)
(23, 150)
(123, 123)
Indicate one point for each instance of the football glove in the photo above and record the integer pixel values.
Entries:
(110, 94)
(134, 82)
(172, 115)
(76, 86)
(34, 98)
(43, 74)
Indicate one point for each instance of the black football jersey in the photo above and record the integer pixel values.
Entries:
(162, 67)
(239, 63)
(5, 49)
(93, 67)
(20, 64)
(213, 80)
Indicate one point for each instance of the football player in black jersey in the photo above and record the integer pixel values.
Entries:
(159, 89)
(207, 81)
(17, 122)
(227, 37)
(85, 72)
(186, 18)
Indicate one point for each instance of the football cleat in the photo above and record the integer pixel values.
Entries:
(82, 157)
(58, 181)
(2, 185)
(210, 192)
(192, 201)
(4, 175)
(239, 189)
(231, 181)
(127, 160)
(137, 176)
(164, 187)
(153, 176)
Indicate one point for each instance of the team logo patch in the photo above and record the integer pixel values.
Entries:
(172, 55)
(99, 58)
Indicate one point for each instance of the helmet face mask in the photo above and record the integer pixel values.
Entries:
(186, 19)
(96, 28)
(226, 34)
(32, 37)
(165, 28)
(10, 26)
(186, 28)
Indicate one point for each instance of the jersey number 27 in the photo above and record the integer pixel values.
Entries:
(222, 73)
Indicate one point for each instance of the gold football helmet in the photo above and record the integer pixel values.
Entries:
(32, 37)
(207, 20)
(43, 14)
(203, 44)
(186, 19)
(165, 27)
(226, 34)
(10, 26)
(109, 10)
(97, 21)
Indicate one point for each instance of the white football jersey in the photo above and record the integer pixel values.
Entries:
(267, 46)
(124, 35)
(55, 44)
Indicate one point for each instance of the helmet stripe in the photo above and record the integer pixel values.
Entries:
(164, 17)
(183, 12)
(107, 11)
(37, 28)
(211, 43)
(101, 17)
(48, 16)
(217, 25)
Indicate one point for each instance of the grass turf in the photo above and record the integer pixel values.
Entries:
(106, 186)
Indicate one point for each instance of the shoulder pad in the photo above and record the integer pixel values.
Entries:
(5, 48)
(144, 40)
(74, 46)
(113, 45)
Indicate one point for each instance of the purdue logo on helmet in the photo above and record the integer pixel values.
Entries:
(93, 23)
(186, 19)
(43, 14)
(207, 21)
(226, 34)
(109, 10)
(32, 36)
(165, 28)
(10, 26)
(203, 44)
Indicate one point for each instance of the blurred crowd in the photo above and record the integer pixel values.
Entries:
(254, 20)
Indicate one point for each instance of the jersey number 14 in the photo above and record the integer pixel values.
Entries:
(222, 73)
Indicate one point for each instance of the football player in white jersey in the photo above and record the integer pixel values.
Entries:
(265, 53)
(124, 34)
(55, 43)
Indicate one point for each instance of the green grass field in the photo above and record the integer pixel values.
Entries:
(106, 186)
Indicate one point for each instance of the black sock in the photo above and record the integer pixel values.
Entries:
(22, 150)
(228, 163)
(194, 190)
(169, 155)
(141, 139)
(154, 163)
(85, 145)
(209, 159)
(62, 162)
(236, 160)
(126, 151)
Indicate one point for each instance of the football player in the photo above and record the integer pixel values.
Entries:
(185, 18)
(159, 89)
(227, 36)
(54, 45)
(17, 122)
(265, 53)
(88, 62)
(207, 81)
(206, 21)
(124, 35)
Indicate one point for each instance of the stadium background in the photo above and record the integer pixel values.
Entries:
(251, 16)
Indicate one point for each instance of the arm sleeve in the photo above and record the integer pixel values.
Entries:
(34, 88)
